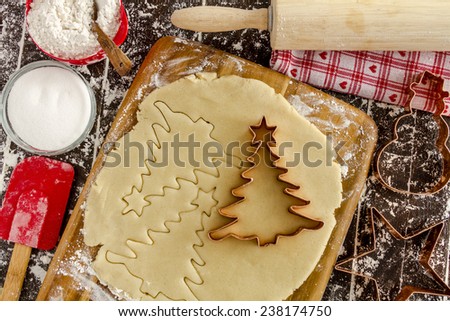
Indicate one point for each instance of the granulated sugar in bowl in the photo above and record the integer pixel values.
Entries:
(62, 28)
(47, 108)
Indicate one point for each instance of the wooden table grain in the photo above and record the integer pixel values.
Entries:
(149, 21)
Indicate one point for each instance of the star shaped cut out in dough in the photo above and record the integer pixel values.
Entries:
(398, 275)
(205, 201)
(135, 202)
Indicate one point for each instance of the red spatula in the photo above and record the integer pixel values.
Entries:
(32, 213)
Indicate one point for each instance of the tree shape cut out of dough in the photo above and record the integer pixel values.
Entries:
(258, 214)
(138, 207)
(168, 153)
(172, 251)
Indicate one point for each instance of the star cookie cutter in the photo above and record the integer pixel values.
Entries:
(258, 141)
(441, 142)
(426, 252)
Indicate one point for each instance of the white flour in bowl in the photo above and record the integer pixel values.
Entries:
(63, 27)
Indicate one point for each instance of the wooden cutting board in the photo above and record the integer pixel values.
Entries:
(69, 276)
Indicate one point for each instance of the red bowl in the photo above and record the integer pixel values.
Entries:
(120, 37)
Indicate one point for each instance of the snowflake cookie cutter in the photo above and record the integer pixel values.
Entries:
(441, 141)
(431, 236)
(257, 143)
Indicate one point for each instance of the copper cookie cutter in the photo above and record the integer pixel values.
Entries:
(441, 142)
(425, 254)
(257, 143)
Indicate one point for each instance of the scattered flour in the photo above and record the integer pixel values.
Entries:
(38, 272)
(63, 27)
(344, 170)
(12, 159)
(302, 108)
(45, 258)
(337, 125)
(238, 46)
(78, 267)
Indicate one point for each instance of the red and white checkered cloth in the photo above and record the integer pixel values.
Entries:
(380, 75)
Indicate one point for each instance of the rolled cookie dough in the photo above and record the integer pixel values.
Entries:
(158, 251)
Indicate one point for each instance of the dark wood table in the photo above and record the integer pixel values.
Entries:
(149, 20)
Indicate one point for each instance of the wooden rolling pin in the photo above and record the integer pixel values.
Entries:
(334, 24)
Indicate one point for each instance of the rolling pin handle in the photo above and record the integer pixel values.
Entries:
(219, 19)
(269, 19)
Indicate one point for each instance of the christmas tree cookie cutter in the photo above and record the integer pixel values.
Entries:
(405, 291)
(441, 141)
(268, 142)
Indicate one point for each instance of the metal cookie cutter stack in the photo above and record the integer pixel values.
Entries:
(385, 287)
